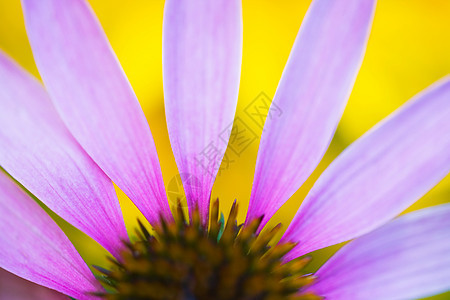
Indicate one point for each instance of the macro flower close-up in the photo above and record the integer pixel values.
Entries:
(76, 137)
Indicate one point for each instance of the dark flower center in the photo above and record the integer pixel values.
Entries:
(188, 261)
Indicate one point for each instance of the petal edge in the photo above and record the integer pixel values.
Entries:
(379, 175)
(404, 259)
(32, 246)
(94, 98)
(202, 51)
(313, 91)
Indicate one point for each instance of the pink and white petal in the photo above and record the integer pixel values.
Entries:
(379, 175)
(39, 152)
(202, 53)
(407, 258)
(13, 287)
(33, 247)
(312, 94)
(94, 98)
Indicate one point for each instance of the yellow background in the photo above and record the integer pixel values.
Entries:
(409, 48)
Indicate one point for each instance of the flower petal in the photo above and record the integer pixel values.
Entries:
(40, 153)
(13, 287)
(379, 175)
(94, 98)
(404, 259)
(202, 52)
(311, 95)
(32, 246)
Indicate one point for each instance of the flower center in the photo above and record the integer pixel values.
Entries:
(186, 260)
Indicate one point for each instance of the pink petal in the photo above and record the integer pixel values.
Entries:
(312, 94)
(94, 98)
(202, 52)
(32, 246)
(39, 152)
(13, 287)
(407, 258)
(379, 175)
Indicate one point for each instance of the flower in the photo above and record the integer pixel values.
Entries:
(66, 144)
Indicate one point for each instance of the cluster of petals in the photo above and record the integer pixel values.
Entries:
(67, 140)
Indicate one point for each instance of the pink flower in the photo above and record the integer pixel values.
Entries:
(67, 142)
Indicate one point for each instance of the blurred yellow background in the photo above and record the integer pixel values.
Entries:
(409, 48)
